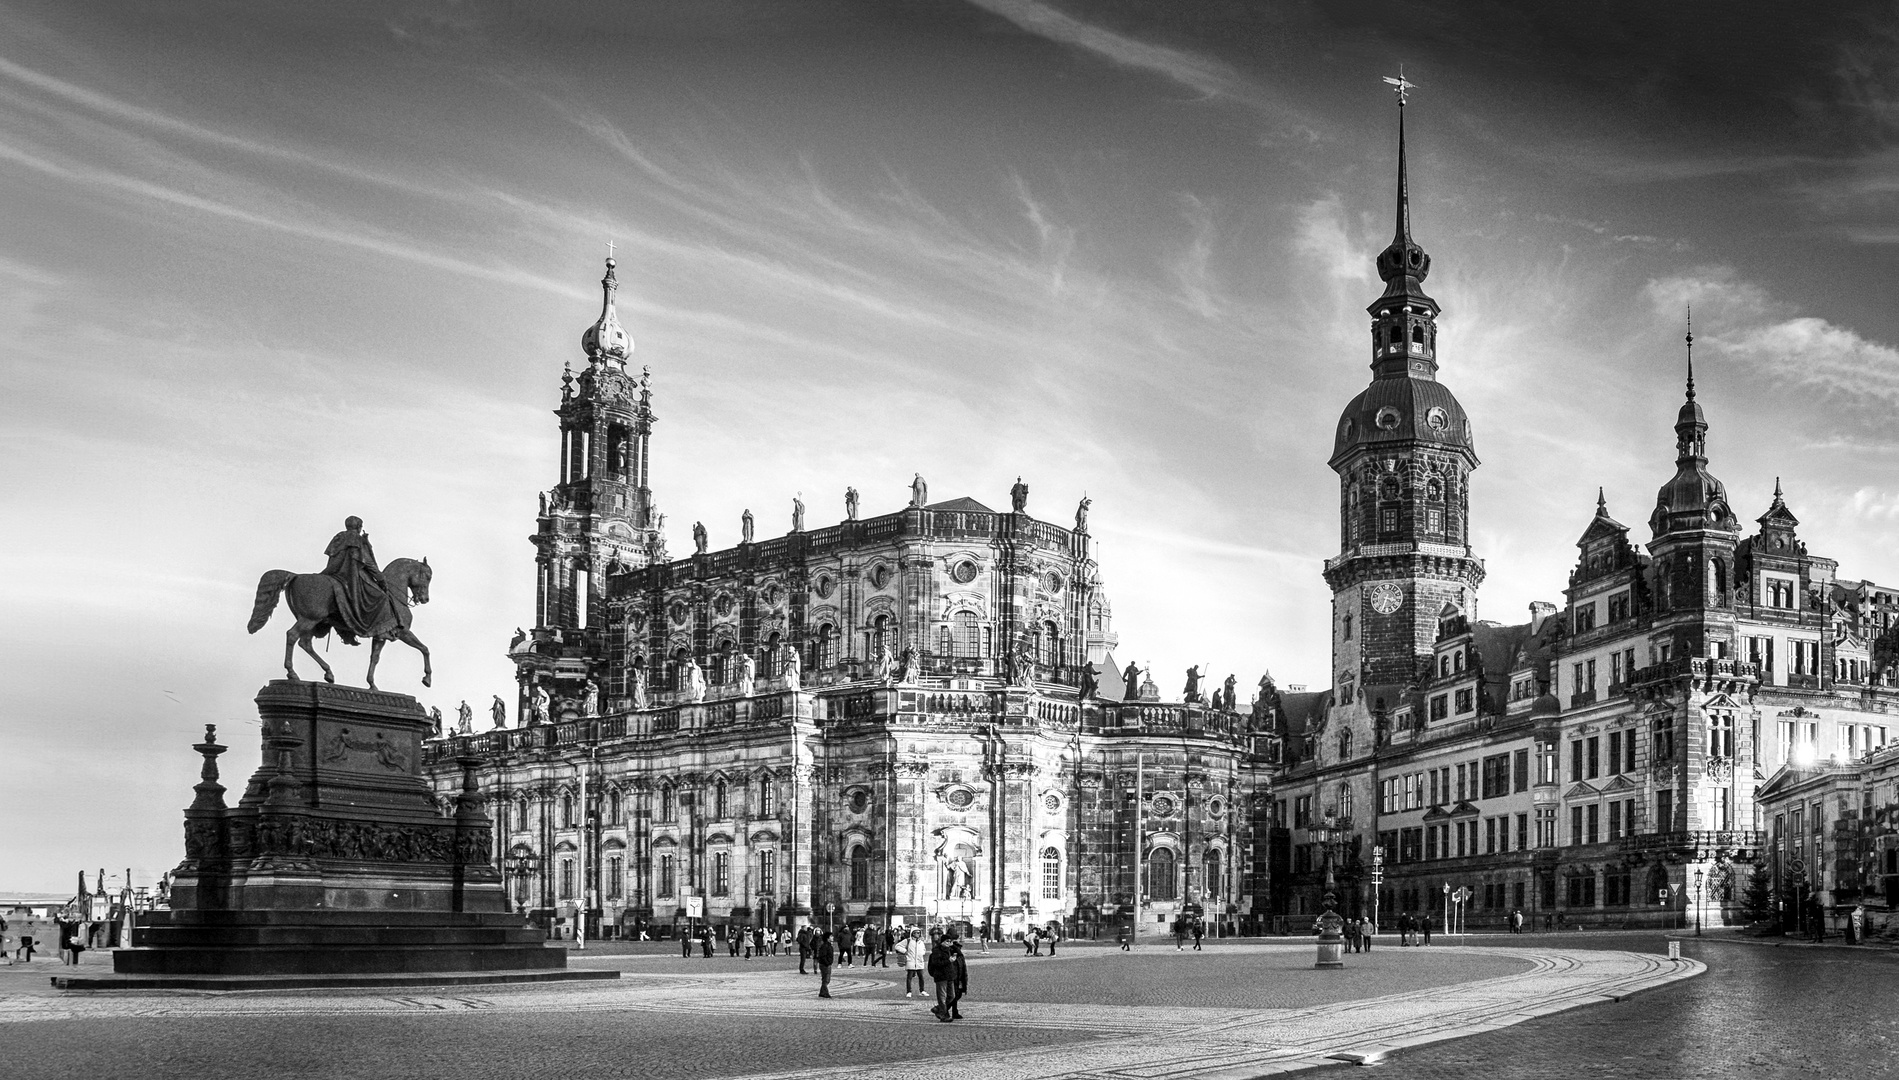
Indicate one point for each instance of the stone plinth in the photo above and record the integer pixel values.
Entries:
(336, 867)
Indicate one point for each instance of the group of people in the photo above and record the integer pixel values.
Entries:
(1414, 929)
(937, 954)
(1033, 938)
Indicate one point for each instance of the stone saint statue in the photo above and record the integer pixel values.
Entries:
(1227, 697)
(886, 664)
(542, 705)
(636, 683)
(955, 880)
(464, 720)
(797, 512)
(1192, 693)
(1022, 663)
(514, 642)
(793, 668)
(850, 504)
(919, 492)
(907, 666)
(747, 675)
(543, 504)
(1081, 514)
(745, 527)
(699, 537)
(695, 677)
(1090, 680)
(362, 598)
(435, 722)
(1019, 496)
(590, 699)
(1132, 677)
(499, 712)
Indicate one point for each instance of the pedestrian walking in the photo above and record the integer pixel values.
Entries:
(1199, 931)
(942, 973)
(827, 955)
(959, 978)
(685, 943)
(5, 953)
(1364, 933)
(1121, 937)
(1350, 930)
(983, 937)
(1054, 935)
(916, 953)
(886, 941)
(1031, 942)
(1404, 929)
(804, 948)
(705, 942)
(745, 935)
(1180, 935)
(1424, 924)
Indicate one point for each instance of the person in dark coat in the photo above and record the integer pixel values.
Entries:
(1404, 928)
(804, 947)
(827, 955)
(705, 942)
(685, 943)
(1424, 926)
(943, 972)
(959, 977)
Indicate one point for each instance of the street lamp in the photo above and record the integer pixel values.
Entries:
(1331, 937)
(1698, 878)
(521, 866)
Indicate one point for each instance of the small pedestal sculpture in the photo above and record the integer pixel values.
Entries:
(1331, 937)
(335, 868)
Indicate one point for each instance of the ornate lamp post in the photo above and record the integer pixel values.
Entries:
(1698, 879)
(1331, 937)
(521, 867)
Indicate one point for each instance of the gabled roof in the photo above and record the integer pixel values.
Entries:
(1304, 710)
(965, 505)
(1602, 525)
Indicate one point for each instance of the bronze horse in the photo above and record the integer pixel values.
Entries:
(313, 601)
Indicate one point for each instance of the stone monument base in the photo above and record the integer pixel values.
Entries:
(337, 867)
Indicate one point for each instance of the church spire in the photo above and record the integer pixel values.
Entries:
(1403, 265)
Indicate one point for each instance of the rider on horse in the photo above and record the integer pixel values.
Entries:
(362, 596)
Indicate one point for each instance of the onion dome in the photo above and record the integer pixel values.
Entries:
(606, 339)
(1693, 498)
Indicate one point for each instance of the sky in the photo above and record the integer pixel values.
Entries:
(265, 265)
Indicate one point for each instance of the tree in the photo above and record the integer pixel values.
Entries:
(1757, 899)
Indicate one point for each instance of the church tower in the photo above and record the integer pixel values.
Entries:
(1404, 457)
(1694, 536)
(600, 518)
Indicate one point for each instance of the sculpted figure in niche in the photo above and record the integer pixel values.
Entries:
(956, 879)
(636, 684)
(793, 668)
(542, 705)
(695, 681)
(747, 675)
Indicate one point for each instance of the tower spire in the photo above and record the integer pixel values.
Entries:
(1691, 352)
(1401, 233)
(1403, 265)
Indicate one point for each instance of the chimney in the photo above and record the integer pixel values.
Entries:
(1540, 610)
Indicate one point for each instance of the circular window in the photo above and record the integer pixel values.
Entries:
(676, 611)
(723, 604)
(774, 595)
(860, 801)
(964, 572)
(1053, 582)
(1052, 801)
(636, 621)
(824, 586)
(1388, 418)
(1163, 806)
(1215, 807)
(878, 575)
(960, 798)
(1437, 418)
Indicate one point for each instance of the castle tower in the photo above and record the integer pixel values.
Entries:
(1694, 536)
(1404, 457)
(600, 518)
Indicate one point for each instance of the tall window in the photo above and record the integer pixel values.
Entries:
(1048, 646)
(1162, 885)
(1664, 737)
(966, 631)
(860, 872)
(1720, 735)
(566, 879)
(615, 877)
(668, 882)
(825, 650)
(767, 872)
(613, 807)
(668, 805)
(879, 630)
(1664, 811)
(567, 811)
(768, 663)
(721, 873)
(521, 816)
(1345, 744)
(1215, 888)
(1051, 874)
(1345, 802)
(719, 800)
(767, 797)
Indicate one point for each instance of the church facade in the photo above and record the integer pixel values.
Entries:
(915, 714)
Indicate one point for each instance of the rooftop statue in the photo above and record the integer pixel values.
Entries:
(1019, 496)
(351, 596)
(850, 504)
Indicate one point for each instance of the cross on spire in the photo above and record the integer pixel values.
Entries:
(1401, 85)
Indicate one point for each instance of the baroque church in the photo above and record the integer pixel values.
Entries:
(916, 715)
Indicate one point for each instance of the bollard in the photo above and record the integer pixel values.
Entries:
(1674, 950)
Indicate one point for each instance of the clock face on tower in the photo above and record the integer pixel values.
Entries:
(1386, 598)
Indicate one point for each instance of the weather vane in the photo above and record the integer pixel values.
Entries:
(609, 247)
(1402, 85)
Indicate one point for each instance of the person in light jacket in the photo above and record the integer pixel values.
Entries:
(916, 953)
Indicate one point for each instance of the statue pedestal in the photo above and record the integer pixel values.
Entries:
(335, 868)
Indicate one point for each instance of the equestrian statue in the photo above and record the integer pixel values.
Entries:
(351, 596)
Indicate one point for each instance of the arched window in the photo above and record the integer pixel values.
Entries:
(860, 872)
(721, 873)
(1394, 334)
(966, 632)
(1210, 863)
(1048, 646)
(521, 815)
(566, 877)
(613, 807)
(1457, 660)
(721, 809)
(1051, 874)
(1345, 802)
(1345, 744)
(767, 798)
(879, 635)
(567, 811)
(1720, 735)
(768, 664)
(668, 805)
(1162, 883)
(1417, 334)
(676, 669)
(825, 650)
(721, 663)
(668, 881)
